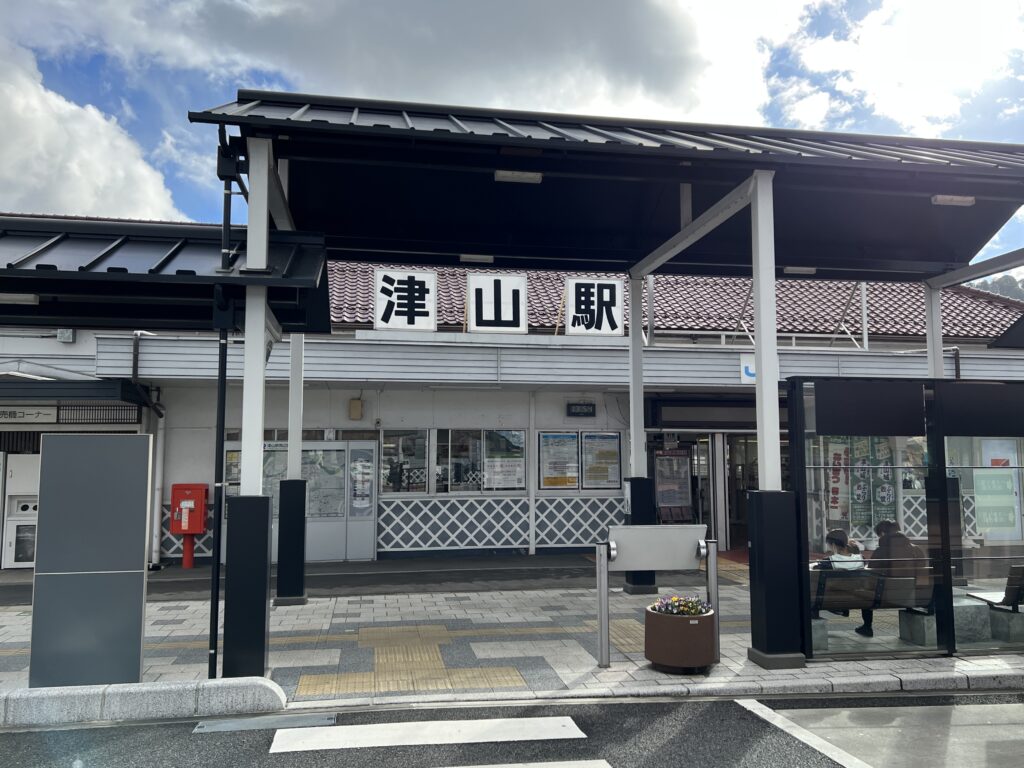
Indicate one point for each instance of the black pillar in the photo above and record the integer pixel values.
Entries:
(247, 587)
(642, 511)
(291, 544)
(777, 596)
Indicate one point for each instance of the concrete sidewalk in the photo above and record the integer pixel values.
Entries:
(506, 644)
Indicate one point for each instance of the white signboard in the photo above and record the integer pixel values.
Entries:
(748, 371)
(496, 303)
(405, 300)
(28, 414)
(593, 307)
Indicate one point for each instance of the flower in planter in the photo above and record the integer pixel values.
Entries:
(682, 605)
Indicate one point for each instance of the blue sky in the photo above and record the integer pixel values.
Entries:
(95, 95)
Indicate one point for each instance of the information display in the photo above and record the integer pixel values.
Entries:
(601, 460)
(672, 478)
(559, 460)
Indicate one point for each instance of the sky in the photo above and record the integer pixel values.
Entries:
(94, 94)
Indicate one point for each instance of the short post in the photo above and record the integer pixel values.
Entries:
(712, 574)
(188, 550)
(603, 642)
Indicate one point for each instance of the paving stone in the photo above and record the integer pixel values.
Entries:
(932, 681)
(996, 680)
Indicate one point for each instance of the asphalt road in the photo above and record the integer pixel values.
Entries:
(625, 734)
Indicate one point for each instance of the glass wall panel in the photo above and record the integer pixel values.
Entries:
(403, 461)
(987, 532)
(872, 581)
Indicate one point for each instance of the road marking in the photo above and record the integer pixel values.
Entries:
(425, 732)
(557, 764)
(827, 748)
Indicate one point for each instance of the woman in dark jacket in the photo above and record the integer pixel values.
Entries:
(895, 557)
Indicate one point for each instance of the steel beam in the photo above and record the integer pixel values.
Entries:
(724, 209)
(766, 355)
(261, 164)
(993, 266)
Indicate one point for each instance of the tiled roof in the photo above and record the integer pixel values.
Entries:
(700, 303)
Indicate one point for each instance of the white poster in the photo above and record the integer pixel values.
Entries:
(838, 471)
(559, 460)
(405, 300)
(504, 473)
(496, 303)
(997, 491)
(593, 307)
(601, 460)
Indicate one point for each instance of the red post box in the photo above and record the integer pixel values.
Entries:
(188, 517)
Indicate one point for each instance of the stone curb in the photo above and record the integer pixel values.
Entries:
(27, 707)
(950, 681)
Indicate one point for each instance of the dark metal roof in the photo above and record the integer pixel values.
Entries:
(341, 115)
(416, 184)
(103, 390)
(118, 274)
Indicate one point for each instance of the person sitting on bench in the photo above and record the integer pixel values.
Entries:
(895, 557)
(844, 554)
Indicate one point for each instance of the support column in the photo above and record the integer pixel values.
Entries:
(296, 345)
(532, 472)
(253, 383)
(291, 518)
(933, 330)
(864, 335)
(766, 355)
(641, 488)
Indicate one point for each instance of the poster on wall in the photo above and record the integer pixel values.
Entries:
(504, 472)
(559, 460)
(997, 491)
(672, 478)
(601, 460)
(838, 473)
(860, 482)
(883, 481)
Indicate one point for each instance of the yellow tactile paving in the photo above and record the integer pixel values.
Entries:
(627, 635)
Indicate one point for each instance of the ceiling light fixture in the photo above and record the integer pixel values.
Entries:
(19, 298)
(475, 258)
(519, 177)
(960, 201)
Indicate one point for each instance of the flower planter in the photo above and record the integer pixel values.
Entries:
(679, 642)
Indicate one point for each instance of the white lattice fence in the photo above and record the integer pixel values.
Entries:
(470, 523)
(170, 545)
(574, 521)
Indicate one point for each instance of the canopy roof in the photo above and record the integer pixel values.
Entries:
(416, 183)
(94, 273)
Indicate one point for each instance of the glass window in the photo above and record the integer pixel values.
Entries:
(466, 467)
(504, 460)
(601, 461)
(403, 466)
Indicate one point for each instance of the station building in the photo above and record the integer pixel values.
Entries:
(418, 442)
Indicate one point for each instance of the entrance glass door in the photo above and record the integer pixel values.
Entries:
(341, 509)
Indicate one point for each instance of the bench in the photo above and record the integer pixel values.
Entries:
(843, 590)
(1007, 622)
(1010, 597)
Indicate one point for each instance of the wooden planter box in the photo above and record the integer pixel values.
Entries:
(679, 642)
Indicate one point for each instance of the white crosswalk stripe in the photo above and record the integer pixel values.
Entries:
(558, 764)
(428, 732)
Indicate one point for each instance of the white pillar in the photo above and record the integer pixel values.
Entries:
(253, 372)
(296, 345)
(637, 438)
(766, 354)
(933, 330)
(532, 471)
(864, 336)
(255, 351)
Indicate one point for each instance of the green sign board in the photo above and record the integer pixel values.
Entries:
(995, 498)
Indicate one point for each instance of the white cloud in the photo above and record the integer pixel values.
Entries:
(182, 154)
(681, 59)
(60, 157)
(917, 62)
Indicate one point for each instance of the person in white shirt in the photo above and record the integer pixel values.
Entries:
(844, 554)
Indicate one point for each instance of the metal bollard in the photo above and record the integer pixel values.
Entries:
(603, 629)
(712, 575)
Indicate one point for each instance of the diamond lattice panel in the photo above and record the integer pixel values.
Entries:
(915, 516)
(565, 522)
(470, 523)
(170, 545)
